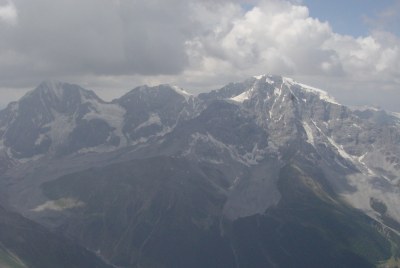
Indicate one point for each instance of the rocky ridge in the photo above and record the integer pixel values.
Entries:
(237, 141)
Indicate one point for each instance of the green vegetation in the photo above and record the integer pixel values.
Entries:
(8, 260)
(157, 208)
(345, 231)
(24, 243)
(391, 263)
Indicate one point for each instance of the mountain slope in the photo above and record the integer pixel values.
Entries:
(26, 244)
(263, 173)
(56, 118)
(352, 146)
(166, 212)
(154, 111)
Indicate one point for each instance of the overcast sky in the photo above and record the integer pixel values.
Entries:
(351, 48)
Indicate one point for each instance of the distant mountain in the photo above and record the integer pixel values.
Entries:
(267, 172)
(50, 118)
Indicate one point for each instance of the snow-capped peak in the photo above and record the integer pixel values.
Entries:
(323, 95)
(181, 91)
(51, 90)
(176, 89)
(259, 77)
(277, 82)
(268, 78)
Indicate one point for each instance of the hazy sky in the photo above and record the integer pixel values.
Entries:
(349, 48)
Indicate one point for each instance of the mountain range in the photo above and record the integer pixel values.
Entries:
(267, 172)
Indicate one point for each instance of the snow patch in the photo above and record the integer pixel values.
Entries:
(395, 114)
(340, 149)
(258, 77)
(234, 183)
(310, 137)
(40, 139)
(360, 159)
(144, 140)
(60, 128)
(254, 156)
(27, 159)
(288, 81)
(154, 119)
(182, 92)
(323, 95)
(277, 91)
(243, 96)
(269, 81)
(98, 149)
(59, 204)
(113, 114)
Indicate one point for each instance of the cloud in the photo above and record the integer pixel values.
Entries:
(8, 12)
(192, 43)
(275, 36)
(73, 37)
(280, 37)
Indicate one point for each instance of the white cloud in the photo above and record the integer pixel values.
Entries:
(281, 37)
(8, 13)
(192, 43)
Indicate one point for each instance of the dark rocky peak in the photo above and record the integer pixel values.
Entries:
(45, 102)
(154, 110)
(8, 113)
(228, 91)
(153, 95)
(59, 96)
(44, 117)
(165, 100)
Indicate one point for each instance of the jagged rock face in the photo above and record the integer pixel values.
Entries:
(266, 157)
(60, 119)
(348, 144)
(47, 118)
(154, 111)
